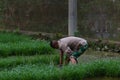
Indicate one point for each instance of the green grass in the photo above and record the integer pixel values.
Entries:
(25, 48)
(11, 37)
(16, 44)
(22, 58)
(13, 61)
(109, 68)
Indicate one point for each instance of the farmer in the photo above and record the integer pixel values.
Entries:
(71, 47)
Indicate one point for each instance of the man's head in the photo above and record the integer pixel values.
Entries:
(54, 44)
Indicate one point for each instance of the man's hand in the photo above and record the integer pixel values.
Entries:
(60, 65)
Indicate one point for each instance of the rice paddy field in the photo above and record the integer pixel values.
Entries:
(24, 58)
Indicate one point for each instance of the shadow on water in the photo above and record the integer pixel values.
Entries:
(103, 78)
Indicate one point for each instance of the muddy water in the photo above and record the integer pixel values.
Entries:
(105, 78)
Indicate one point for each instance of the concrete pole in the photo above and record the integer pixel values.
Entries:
(72, 17)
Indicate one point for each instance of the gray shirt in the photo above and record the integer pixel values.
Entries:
(70, 44)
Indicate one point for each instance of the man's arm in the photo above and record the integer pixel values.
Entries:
(61, 57)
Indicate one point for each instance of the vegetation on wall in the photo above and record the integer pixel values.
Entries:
(104, 45)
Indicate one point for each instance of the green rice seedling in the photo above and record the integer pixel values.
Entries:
(72, 72)
(105, 67)
(14, 44)
(7, 37)
(25, 48)
(13, 61)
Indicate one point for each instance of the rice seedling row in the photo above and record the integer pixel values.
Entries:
(109, 68)
(13, 61)
(18, 44)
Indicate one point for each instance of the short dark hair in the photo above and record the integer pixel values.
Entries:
(51, 44)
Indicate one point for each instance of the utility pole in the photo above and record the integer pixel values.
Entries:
(72, 17)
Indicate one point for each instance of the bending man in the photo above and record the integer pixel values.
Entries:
(71, 47)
